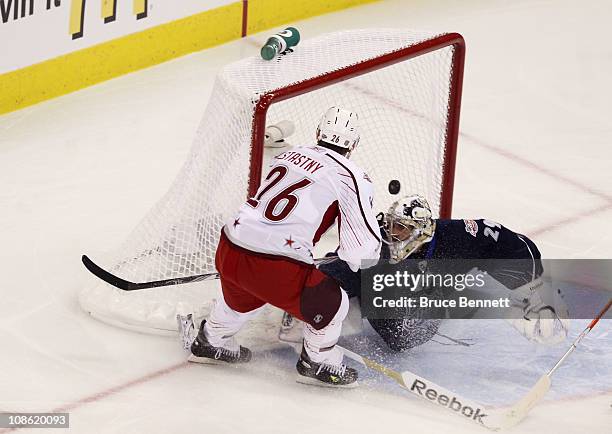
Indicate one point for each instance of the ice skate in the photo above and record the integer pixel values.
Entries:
(203, 352)
(322, 374)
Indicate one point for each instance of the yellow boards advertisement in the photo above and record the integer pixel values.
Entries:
(53, 47)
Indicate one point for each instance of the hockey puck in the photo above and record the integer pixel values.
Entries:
(394, 186)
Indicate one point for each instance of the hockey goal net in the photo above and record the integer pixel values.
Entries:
(406, 88)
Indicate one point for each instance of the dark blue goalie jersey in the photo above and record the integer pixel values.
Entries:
(477, 239)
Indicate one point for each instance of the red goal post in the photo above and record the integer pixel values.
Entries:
(454, 108)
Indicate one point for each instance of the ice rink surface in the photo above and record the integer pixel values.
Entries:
(79, 172)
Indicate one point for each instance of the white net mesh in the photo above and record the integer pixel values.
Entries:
(403, 112)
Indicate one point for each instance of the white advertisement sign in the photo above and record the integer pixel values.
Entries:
(35, 30)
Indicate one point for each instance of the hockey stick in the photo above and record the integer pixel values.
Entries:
(494, 419)
(126, 285)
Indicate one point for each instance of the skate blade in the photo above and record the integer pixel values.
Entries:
(314, 382)
(205, 360)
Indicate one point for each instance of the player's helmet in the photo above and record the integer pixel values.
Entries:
(339, 127)
(408, 225)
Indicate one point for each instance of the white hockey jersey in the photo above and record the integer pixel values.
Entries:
(306, 190)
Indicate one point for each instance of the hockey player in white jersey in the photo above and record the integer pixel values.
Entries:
(265, 251)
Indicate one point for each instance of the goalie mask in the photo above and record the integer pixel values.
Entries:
(339, 127)
(408, 225)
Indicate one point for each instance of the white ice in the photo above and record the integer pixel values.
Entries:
(77, 173)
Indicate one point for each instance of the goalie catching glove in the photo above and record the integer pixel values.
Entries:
(539, 313)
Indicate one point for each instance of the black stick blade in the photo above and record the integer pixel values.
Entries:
(126, 285)
(101, 273)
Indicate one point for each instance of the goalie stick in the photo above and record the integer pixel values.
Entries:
(126, 285)
(493, 419)
(425, 389)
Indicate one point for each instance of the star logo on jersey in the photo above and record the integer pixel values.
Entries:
(289, 242)
(236, 222)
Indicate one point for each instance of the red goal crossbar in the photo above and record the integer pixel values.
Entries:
(333, 77)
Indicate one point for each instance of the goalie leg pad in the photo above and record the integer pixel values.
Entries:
(404, 334)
